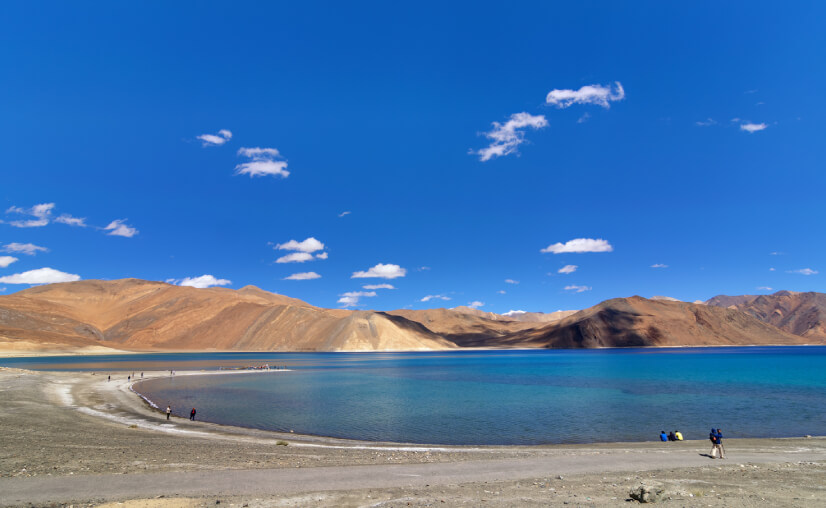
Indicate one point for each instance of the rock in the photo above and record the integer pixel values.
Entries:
(647, 493)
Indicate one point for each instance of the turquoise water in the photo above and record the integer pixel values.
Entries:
(498, 397)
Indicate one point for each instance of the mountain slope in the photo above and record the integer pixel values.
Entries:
(636, 321)
(802, 314)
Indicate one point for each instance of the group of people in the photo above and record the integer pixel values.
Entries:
(191, 413)
(673, 436)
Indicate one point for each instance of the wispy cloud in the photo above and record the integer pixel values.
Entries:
(511, 281)
(41, 215)
(342, 214)
(214, 140)
(40, 276)
(584, 118)
(381, 271)
(580, 245)
(804, 271)
(502, 292)
(589, 94)
(659, 265)
(378, 286)
(295, 257)
(71, 221)
(6, 261)
(308, 245)
(303, 276)
(351, 298)
(751, 128)
(476, 304)
(577, 289)
(567, 269)
(24, 248)
(765, 288)
(204, 281)
(434, 297)
(119, 227)
(263, 162)
(506, 138)
(708, 122)
(512, 313)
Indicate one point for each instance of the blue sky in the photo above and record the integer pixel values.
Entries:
(654, 149)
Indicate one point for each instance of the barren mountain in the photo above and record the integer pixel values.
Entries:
(802, 314)
(139, 315)
(142, 315)
(636, 321)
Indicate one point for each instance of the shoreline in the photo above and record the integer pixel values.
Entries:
(73, 436)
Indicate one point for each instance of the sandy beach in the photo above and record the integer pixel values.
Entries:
(75, 438)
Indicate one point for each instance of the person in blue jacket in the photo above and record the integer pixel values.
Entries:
(663, 436)
(716, 437)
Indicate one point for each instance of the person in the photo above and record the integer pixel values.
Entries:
(168, 412)
(109, 378)
(671, 436)
(663, 436)
(719, 443)
(141, 375)
(129, 378)
(678, 435)
(192, 414)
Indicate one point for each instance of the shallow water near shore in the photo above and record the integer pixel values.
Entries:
(496, 397)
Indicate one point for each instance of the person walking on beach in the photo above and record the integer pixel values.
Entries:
(192, 414)
(719, 444)
(168, 412)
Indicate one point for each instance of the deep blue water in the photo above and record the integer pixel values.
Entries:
(497, 397)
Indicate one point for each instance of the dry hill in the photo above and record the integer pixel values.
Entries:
(802, 314)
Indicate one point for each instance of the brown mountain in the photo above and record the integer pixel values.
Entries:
(141, 315)
(802, 314)
(637, 321)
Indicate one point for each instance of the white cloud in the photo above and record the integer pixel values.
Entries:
(508, 136)
(24, 248)
(511, 281)
(476, 304)
(502, 292)
(588, 94)
(378, 286)
(381, 271)
(72, 221)
(6, 261)
(423, 268)
(567, 269)
(263, 162)
(584, 118)
(804, 271)
(659, 265)
(772, 269)
(212, 140)
(753, 127)
(434, 297)
(41, 213)
(577, 289)
(580, 245)
(40, 276)
(513, 313)
(342, 214)
(204, 281)
(303, 276)
(708, 122)
(765, 288)
(351, 298)
(323, 255)
(119, 227)
(308, 245)
(295, 257)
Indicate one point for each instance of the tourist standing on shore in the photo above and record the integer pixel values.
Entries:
(168, 411)
(719, 444)
(192, 414)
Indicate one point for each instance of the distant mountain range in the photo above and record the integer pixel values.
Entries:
(138, 315)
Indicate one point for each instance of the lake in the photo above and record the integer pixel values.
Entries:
(513, 397)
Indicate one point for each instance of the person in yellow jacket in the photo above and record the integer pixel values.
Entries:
(678, 435)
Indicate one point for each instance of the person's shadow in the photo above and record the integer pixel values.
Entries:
(705, 455)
